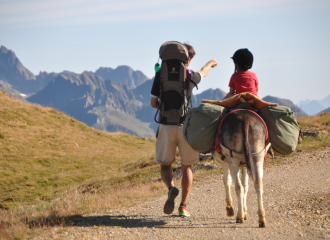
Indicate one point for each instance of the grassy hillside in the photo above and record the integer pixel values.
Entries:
(52, 162)
(43, 152)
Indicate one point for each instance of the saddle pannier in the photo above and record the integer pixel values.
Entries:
(283, 129)
(201, 125)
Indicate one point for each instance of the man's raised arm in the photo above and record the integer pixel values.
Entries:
(205, 70)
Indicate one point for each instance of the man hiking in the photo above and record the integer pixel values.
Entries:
(169, 134)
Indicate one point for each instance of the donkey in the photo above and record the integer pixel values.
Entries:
(242, 140)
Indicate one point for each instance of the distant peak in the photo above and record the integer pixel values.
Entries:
(67, 73)
(3, 49)
(104, 68)
(124, 66)
(87, 73)
(10, 53)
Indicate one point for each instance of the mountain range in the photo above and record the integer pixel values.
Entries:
(100, 103)
(21, 79)
(122, 75)
(107, 99)
(313, 107)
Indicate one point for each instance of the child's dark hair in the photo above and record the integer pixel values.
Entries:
(191, 50)
(242, 68)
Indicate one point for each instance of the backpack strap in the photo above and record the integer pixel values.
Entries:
(194, 84)
(188, 80)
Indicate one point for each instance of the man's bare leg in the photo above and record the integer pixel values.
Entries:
(187, 181)
(167, 176)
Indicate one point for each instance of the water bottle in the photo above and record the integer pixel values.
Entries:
(157, 67)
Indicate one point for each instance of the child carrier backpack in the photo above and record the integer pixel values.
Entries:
(174, 83)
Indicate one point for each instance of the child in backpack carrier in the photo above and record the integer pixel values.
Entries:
(243, 80)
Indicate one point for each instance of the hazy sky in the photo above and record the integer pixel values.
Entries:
(290, 39)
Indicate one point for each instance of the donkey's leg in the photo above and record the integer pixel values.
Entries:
(234, 172)
(227, 182)
(258, 167)
(245, 179)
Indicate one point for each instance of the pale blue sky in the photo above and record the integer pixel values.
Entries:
(290, 39)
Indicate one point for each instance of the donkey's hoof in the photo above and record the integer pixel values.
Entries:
(239, 220)
(245, 216)
(230, 211)
(262, 224)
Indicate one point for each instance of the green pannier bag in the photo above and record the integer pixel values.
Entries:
(201, 125)
(283, 129)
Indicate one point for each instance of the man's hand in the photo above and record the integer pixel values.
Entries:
(205, 70)
(213, 63)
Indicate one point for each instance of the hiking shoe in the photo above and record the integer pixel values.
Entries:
(183, 212)
(169, 205)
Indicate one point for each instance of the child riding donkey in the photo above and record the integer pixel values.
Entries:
(243, 80)
(246, 126)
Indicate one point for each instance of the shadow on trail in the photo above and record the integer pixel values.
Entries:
(131, 221)
(138, 221)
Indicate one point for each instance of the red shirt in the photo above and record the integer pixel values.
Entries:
(244, 81)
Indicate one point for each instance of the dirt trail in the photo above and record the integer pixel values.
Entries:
(296, 200)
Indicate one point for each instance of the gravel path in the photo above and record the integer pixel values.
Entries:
(296, 201)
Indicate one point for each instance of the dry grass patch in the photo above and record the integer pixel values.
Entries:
(62, 212)
(315, 131)
(319, 122)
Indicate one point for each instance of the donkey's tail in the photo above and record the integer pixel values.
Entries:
(247, 148)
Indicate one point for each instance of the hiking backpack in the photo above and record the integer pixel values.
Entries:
(174, 83)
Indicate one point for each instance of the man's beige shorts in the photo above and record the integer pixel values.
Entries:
(169, 138)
